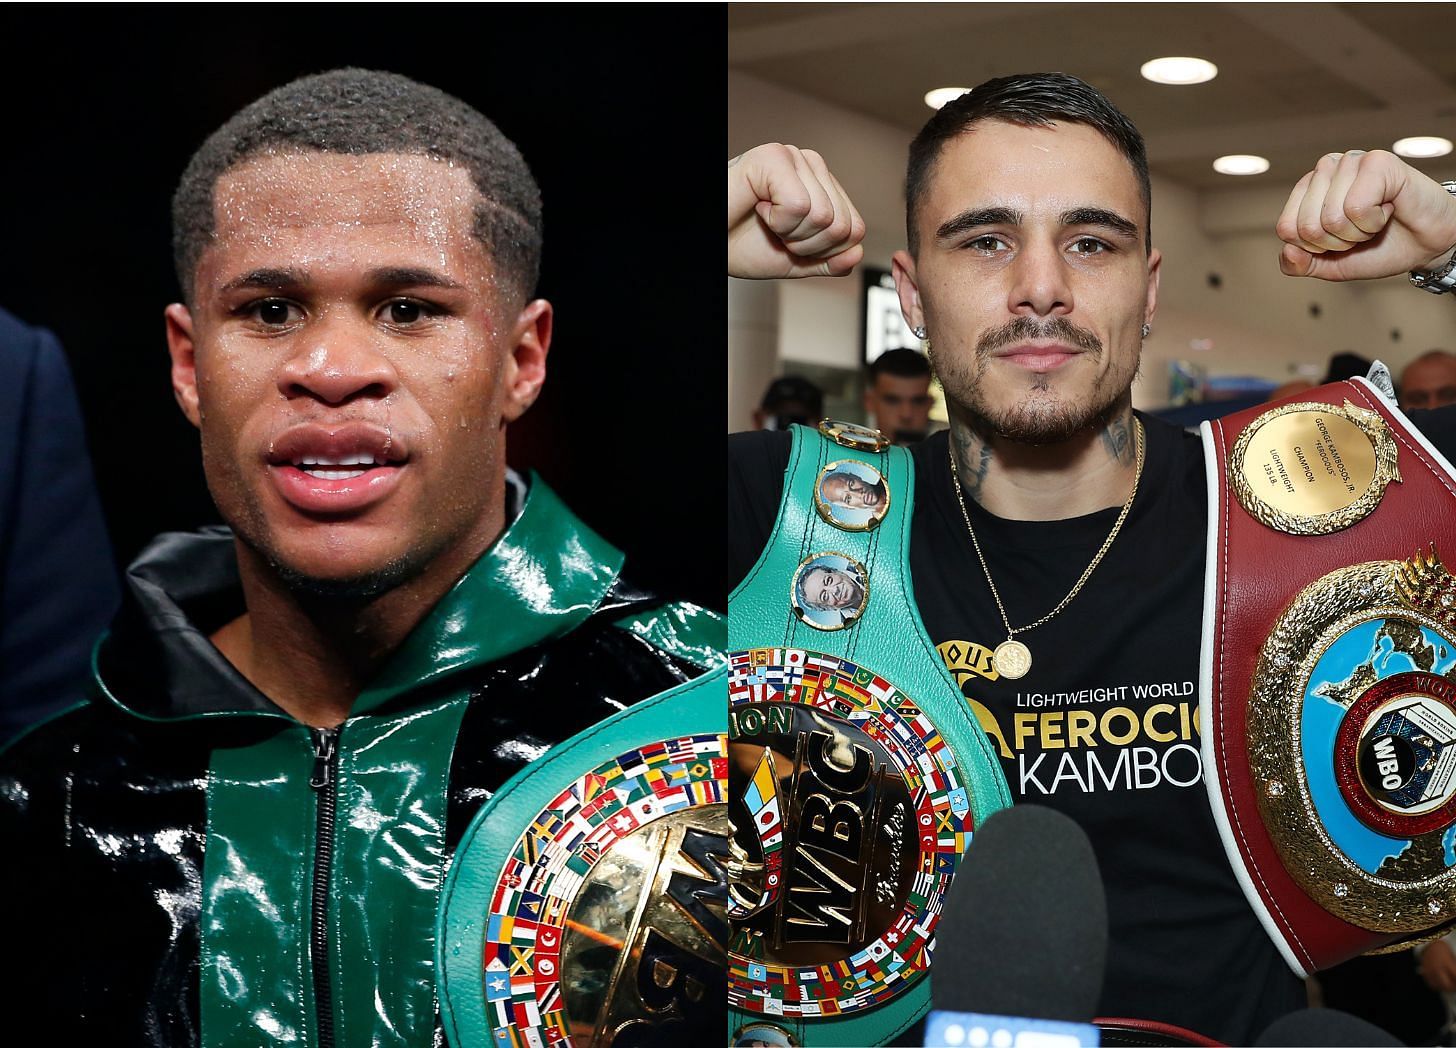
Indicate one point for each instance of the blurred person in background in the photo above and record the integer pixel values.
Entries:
(1429, 381)
(897, 397)
(789, 401)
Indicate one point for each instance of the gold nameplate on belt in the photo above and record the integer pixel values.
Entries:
(1313, 469)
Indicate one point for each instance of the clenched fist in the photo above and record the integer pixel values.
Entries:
(789, 217)
(1362, 215)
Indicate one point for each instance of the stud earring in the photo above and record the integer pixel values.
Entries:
(1147, 330)
(918, 331)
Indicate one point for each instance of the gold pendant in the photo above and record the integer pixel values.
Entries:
(1011, 658)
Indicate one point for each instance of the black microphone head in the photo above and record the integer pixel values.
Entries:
(1323, 1026)
(1024, 931)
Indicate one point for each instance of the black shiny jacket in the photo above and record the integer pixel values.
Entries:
(141, 907)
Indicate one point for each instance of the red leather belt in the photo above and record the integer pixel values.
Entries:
(1328, 704)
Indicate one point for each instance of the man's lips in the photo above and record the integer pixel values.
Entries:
(1038, 357)
(322, 469)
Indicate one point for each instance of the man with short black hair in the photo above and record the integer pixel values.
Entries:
(1055, 551)
(897, 396)
(302, 725)
(788, 400)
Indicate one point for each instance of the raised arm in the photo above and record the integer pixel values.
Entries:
(1359, 215)
(788, 216)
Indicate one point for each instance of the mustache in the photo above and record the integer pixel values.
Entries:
(1026, 329)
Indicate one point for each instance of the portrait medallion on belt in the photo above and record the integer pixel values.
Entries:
(829, 591)
(851, 495)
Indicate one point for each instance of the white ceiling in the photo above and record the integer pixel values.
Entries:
(1295, 80)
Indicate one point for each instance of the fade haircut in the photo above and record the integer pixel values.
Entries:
(1026, 100)
(359, 112)
(902, 362)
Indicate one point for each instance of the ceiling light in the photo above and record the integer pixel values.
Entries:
(1241, 164)
(941, 95)
(1179, 71)
(1422, 146)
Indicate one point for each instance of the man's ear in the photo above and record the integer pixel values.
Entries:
(1155, 272)
(525, 367)
(184, 361)
(908, 289)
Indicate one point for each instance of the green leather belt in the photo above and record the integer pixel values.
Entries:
(856, 772)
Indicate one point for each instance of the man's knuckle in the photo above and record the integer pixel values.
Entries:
(820, 216)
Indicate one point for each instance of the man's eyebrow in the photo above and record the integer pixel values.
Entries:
(411, 276)
(273, 279)
(974, 218)
(267, 280)
(1100, 216)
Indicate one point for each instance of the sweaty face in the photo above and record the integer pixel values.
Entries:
(1428, 383)
(850, 491)
(830, 588)
(351, 359)
(1032, 277)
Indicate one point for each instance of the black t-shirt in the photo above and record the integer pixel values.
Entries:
(1105, 725)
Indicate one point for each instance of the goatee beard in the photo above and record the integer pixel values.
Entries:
(1039, 417)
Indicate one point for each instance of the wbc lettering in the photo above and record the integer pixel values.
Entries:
(826, 872)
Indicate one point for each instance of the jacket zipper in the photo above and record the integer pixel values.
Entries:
(324, 780)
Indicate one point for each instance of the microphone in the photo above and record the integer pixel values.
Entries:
(1023, 935)
(1323, 1026)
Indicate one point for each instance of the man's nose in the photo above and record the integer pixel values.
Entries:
(1039, 284)
(336, 362)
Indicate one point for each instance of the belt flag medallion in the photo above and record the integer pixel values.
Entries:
(607, 924)
(848, 816)
(1352, 743)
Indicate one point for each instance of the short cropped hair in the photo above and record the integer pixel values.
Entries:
(903, 362)
(359, 112)
(1026, 100)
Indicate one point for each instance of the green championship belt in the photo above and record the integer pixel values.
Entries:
(585, 904)
(856, 772)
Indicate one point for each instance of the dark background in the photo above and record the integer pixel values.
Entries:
(103, 106)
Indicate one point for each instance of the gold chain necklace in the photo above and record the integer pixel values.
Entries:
(1012, 658)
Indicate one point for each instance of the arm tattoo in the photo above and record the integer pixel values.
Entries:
(973, 455)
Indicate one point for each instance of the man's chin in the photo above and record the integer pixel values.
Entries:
(1044, 421)
(344, 586)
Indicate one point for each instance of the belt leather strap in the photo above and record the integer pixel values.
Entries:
(876, 685)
